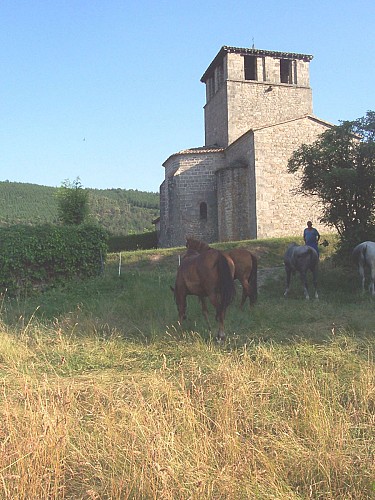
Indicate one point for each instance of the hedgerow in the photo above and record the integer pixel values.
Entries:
(32, 256)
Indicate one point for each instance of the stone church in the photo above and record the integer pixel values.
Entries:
(258, 111)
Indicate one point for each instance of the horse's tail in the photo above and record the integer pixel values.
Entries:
(364, 253)
(227, 288)
(360, 252)
(253, 280)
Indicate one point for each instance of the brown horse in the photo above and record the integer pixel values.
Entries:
(206, 274)
(245, 265)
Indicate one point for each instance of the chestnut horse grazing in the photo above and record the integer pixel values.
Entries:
(245, 268)
(246, 272)
(206, 274)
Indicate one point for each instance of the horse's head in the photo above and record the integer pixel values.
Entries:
(191, 243)
(198, 246)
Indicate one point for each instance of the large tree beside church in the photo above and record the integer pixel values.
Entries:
(339, 169)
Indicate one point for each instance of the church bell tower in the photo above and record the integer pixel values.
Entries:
(251, 88)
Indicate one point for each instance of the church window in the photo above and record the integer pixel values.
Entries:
(250, 66)
(286, 71)
(203, 210)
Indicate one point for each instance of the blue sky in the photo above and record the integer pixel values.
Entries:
(107, 90)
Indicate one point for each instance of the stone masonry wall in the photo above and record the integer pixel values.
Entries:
(193, 183)
(233, 203)
(216, 119)
(237, 215)
(254, 105)
(280, 211)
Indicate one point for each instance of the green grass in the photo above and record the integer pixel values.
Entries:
(104, 395)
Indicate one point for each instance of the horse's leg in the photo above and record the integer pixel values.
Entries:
(245, 291)
(205, 310)
(221, 333)
(315, 282)
(181, 307)
(372, 284)
(214, 299)
(303, 275)
(361, 270)
(288, 271)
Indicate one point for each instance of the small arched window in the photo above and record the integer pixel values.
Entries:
(203, 210)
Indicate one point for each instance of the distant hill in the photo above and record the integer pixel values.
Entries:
(120, 211)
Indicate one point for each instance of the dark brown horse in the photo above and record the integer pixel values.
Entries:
(245, 268)
(206, 274)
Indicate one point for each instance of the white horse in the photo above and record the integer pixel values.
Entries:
(364, 256)
(302, 259)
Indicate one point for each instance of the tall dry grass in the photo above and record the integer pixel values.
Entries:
(87, 417)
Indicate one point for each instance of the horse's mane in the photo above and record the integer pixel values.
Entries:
(199, 246)
(190, 253)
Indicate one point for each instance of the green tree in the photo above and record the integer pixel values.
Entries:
(73, 202)
(339, 169)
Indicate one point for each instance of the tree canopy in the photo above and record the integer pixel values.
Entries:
(339, 168)
(72, 200)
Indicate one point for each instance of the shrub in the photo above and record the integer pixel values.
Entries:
(40, 255)
(73, 202)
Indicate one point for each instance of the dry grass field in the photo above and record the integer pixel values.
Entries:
(104, 396)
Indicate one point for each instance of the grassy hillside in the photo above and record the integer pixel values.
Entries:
(104, 395)
(120, 211)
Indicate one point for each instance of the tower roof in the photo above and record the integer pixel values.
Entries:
(252, 52)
